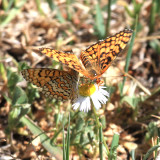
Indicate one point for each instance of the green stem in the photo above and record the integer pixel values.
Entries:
(109, 17)
(96, 116)
(59, 131)
(99, 125)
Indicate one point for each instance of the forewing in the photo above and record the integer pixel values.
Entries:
(111, 47)
(68, 59)
(54, 83)
(99, 56)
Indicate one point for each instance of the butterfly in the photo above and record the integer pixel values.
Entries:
(96, 58)
(58, 84)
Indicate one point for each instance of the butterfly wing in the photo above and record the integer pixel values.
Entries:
(112, 46)
(69, 59)
(98, 57)
(57, 84)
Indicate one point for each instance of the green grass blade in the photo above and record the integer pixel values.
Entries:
(59, 15)
(3, 72)
(51, 5)
(129, 12)
(68, 139)
(101, 142)
(152, 17)
(38, 3)
(5, 4)
(60, 130)
(45, 141)
(19, 96)
(129, 55)
(150, 151)
(16, 113)
(100, 27)
(132, 153)
(69, 15)
(137, 7)
(98, 124)
(155, 44)
(114, 145)
(156, 151)
(109, 18)
(64, 150)
(11, 2)
(13, 12)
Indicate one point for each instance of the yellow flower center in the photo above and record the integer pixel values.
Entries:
(87, 90)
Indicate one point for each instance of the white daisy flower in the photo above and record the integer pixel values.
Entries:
(90, 92)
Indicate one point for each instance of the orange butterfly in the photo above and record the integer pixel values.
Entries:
(95, 59)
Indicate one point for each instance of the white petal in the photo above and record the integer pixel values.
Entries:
(102, 87)
(82, 106)
(104, 92)
(102, 98)
(76, 105)
(78, 102)
(96, 103)
(85, 105)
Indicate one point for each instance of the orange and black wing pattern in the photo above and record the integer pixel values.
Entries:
(95, 59)
(111, 47)
(100, 55)
(69, 59)
(57, 84)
